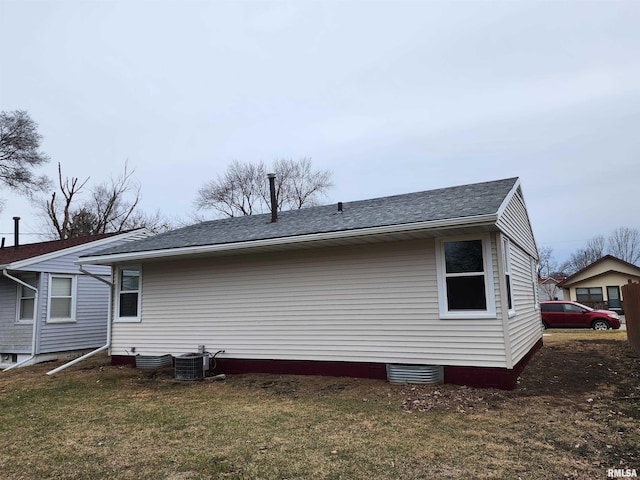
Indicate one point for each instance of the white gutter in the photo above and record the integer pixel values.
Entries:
(489, 219)
(35, 320)
(109, 315)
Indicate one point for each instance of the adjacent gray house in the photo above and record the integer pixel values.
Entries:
(48, 307)
(436, 281)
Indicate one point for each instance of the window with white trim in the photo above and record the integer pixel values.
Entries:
(506, 262)
(62, 299)
(465, 279)
(534, 283)
(26, 300)
(128, 286)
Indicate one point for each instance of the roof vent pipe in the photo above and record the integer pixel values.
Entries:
(16, 232)
(339, 207)
(274, 201)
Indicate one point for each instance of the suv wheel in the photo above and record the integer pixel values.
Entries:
(600, 325)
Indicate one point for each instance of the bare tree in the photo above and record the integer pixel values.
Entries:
(114, 201)
(240, 191)
(545, 261)
(62, 218)
(112, 207)
(549, 273)
(549, 289)
(624, 243)
(300, 185)
(20, 153)
(243, 188)
(584, 257)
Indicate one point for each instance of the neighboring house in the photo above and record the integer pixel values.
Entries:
(444, 280)
(48, 307)
(598, 285)
(548, 289)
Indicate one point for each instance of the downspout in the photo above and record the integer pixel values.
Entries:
(35, 320)
(109, 316)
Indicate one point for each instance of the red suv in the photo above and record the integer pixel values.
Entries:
(574, 314)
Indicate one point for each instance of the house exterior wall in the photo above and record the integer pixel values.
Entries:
(66, 263)
(90, 328)
(514, 222)
(14, 337)
(525, 326)
(603, 267)
(603, 281)
(369, 303)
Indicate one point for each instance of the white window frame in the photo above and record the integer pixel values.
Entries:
(534, 282)
(74, 296)
(489, 286)
(117, 318)
(506, 265)
(25, 278)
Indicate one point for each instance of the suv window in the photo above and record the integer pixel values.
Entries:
(552, 307)
(570, 308)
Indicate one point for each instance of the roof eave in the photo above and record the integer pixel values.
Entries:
(27, 262)
(478, 220)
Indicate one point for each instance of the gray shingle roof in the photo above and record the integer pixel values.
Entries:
(432, 205)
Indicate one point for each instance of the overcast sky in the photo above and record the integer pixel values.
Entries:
(393, 97)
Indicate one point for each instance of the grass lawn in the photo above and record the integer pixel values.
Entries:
(574, 414)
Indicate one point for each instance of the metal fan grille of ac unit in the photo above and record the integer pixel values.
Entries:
(190, 366)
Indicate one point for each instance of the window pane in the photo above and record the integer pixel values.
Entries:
(593, 294)
(26, 308)
(596, 294)
(60, 308)
(510, 300)
(60, 287)
(572, 308)
(129, 279)
(552, 307)
(27, 292)
(461, 257)
(128, 304)
(466, 293)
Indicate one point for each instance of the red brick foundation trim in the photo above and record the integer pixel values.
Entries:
(501, 378)
(486, 377)
(302, 367)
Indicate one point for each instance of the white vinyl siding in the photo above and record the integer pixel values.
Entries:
(514, 221)
(368, 303)
(525, 326)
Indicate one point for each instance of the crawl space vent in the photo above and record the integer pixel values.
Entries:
(419, 374)
(190, 366)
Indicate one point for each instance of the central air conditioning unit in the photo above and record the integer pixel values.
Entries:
(190, 366)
